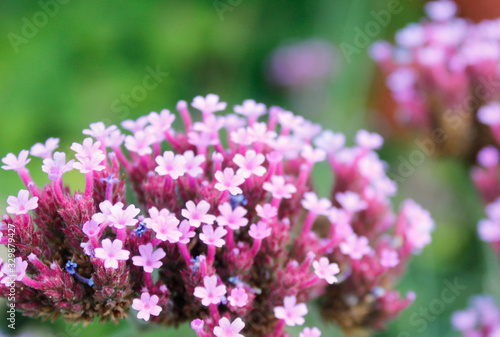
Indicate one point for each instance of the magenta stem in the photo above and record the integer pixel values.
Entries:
(89, 184)
(185, 252)
(308, 223)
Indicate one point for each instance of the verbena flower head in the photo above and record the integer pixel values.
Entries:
(481, 319)
(226, 233)
(441, 71)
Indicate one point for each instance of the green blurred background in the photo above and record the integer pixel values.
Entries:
(72, 69)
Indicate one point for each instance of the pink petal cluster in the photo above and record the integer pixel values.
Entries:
(481, 319)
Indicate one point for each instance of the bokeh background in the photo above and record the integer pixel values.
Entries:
(76, 67)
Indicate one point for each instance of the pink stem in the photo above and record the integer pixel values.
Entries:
(32, 283)
(185, 252)
(211, 255)
(308, 223)
(89, 184)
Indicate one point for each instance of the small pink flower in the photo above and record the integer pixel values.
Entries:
(259, 133)
(259, 231)
(367, 140)
(111, 253)
(90, 228)
(250, 164)
(45, 150)
(105, 208)
(16, 163)
(233, 218)
(266, 211)
(140, 143)
(209, 104)
(288, 120)
(56, 167)
(313, 155)
(238, 297)
(242, 136)
(489, 231)
(488, 156)
(326, 270)
(170, 164)
(120, 218)
(251, 109)
(89, 156)
(329, 141)
(147, 305)
(134, 126)
(161, 122)
(351, 201)
(197, 214)
(164, 224)
(20, 267)
(187, 233)
(210, 293)
(389, 258)
(149, 259)
(211, 237)
(291, 312)
(22, 204)
(99, 131)
(114, 139)
(197, 325)
(228, 181)
(441, 10)
(279, 189)
(319, 207)
(210, 124)
(356, 247)
(308, 332)
(228, 329)
(192, 163)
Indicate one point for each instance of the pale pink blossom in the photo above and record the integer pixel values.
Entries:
(211, 237)
(351, 201)
(111, 253)
(260, 230)
(45, 150)
(99, 131)
(198, 214)
(209, 104)
(313, 155)
(171, 164)
(186, 232)
(21, 204)
(250, 164)
(197, 325)
(291, 312)
(228, 329)
(441, 10)
(140, 143)
(17, 274)
(329, 141)
(210, 293)
(326, 270)
(165, 226)
(114, 139)
(161, 122)
(233, 218)
(371, 141)
(308, 332)
(278, 188)
(149, 259)
(89, 156)
(134, 126)
(16, 163)
(56, 167)
(251, 109)
(356, 247)
(192, 163)
(121, 218)
(389, 258)
(105, 208)
(228, 181)
(238, 297)
(266, 211)
(90, 228)
(147, 305)
(315, 205)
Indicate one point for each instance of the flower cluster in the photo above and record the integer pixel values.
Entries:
(481, 319)
(440, 72)
(225, 231)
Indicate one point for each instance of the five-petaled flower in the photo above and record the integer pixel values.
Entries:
(279, 189)
(238, 297)
(16, 163)
(211, 237)
(308, 332)
(149, 259)
(198, 214)
(229, 181)
(228, 329)
(389, 258)
(120, 218)
(233, 218)
(22, 204)
(56, 167)
(326, 270)
(260, 230)
(209, 104)
(147, 305)
(356, 247)
(210, 293)
(291, 312)
(250, 164)
(170, 164)
(111, 253)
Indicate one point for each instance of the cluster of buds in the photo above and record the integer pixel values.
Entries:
(225, 231)
(481, 319)
(440, 72)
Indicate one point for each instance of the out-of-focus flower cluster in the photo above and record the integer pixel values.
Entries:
(481, 319)
(441, 71)
(225, 231)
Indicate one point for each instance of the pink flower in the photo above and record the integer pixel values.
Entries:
(326, 270)
(120, 218)
(164, 224)
(308, 332)
(111, 253)
(140, 143)
(313, 155)
(90, 228)
(211, 237)
(291, 312)
(56, 167)
(134, 126)
(89, 156)
(351, 201)
(192, 163)
(114, 139)
(197, 325)
(266, 211)
(259, 231)
(369, 140)
(233, 218)
(208, 105)
(149, 259)
(161, 122)
(19, 271)
(99, 131)
(16, 163)
(250, 164)
(210, 124)
(356, 247)
(441, 10)
(278, 188)
(105, 208)
(238, 297)
(228, 181)
(45, 150)
(22, 204)
(319, 207)
(329, 141)
(488, 156)
(251, 109)
(170, 164)
(228, 329)
(147, 306)
(187, 233)
(197, 214)
(489, 114)
(389, 258)
(489, 231)
(210, 293)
